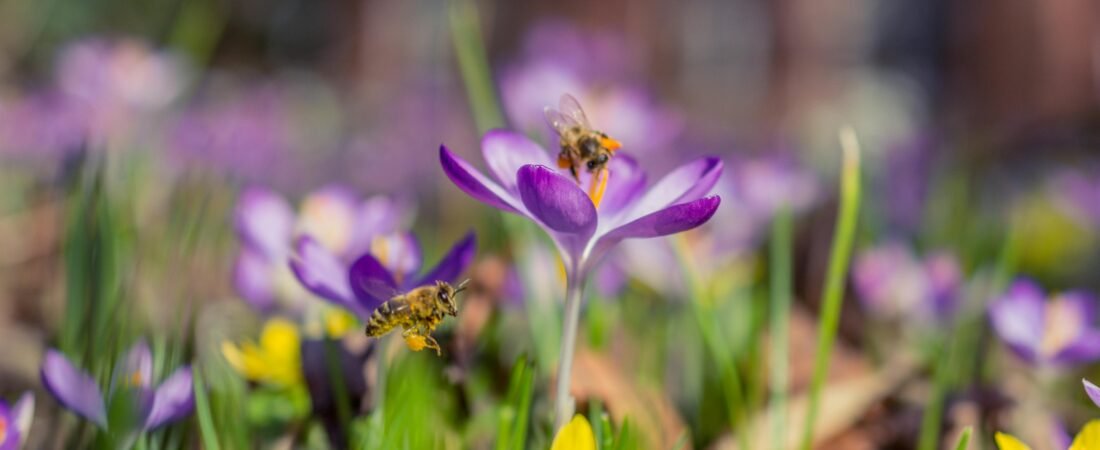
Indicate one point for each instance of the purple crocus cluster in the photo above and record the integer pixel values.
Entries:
(149, 406)
(331, 221)
(1058, 332)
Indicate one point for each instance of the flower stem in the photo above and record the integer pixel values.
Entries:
(780, 323)
(563, 402)
(833, 296)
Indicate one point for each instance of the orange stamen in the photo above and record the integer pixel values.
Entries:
(599, 185)
(610, 144)
(3, 429)
(136, 378)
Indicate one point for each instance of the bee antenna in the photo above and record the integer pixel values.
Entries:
(462, 286)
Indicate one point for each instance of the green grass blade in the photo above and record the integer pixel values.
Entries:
(473, 63)
(780, 272)
(523, 408)
(839, 257)
(202, 411)
(964, 440)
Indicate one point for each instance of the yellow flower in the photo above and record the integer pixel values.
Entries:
(1088, 438)
(277, 360)
(1009, 442)
(576, 435)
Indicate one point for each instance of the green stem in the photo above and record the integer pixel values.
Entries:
(202, 411)
(833, 295)
(780, 323)
(473, 63)
(563, 402)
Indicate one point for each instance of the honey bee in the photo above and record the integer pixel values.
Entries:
(418, 312)
(580, 144)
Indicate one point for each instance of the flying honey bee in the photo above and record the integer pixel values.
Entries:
(581, 146)
(418, 312)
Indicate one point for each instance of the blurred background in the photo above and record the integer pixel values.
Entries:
(128, 128)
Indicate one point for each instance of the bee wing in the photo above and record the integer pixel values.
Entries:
(558, 121)
(570, 107)
(569, 115)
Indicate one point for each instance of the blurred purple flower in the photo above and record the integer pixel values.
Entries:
(132, 380)
(15, 422)
(106, 90)
(1058, 332)
(332, 218)
(40, 126)
(582, 230)
(558, 58)
(374, 277)
(893, 282)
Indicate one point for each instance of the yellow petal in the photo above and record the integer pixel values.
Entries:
(576, 435)
(1088, 438)
(1009, 442)
(338, 323)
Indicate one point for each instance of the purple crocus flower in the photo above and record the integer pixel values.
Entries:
(389, 268)
(15, 422)
(1058, 332)
(584, 228)
(332, 218)
(151, 407)
(893, 282)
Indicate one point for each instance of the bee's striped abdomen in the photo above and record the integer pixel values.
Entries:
(383, 319)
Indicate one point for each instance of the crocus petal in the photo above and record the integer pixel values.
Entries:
(476, 185)
(74, 389)
(1019, 318)
(689, 182)
(1092, 390)
(398, 252)
(625, 184)
(575, 435)
(506, 152)
(265, 221)
(329, 215)
(670, 220)
(378, 215)
(453, 263)
(10, 435)
(1084, 349)
(1081, 306)
(23, 413)
(560, 206)
(322, 273)
(371, 283)
(135, 369)
(173, 400)
(253, 278)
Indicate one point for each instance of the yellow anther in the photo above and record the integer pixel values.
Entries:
(380, 248)
(599, 185)
(136, 378)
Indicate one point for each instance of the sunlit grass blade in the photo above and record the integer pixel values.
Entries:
(202, 411)
(522, 408)
(964, 439)
(839, 257)
(780, 272)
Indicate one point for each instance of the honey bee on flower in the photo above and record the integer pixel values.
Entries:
(581, 145)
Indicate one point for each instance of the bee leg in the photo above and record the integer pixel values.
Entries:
(432, 344)
(573, 170)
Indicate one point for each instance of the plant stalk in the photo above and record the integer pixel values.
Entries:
(563, 401)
